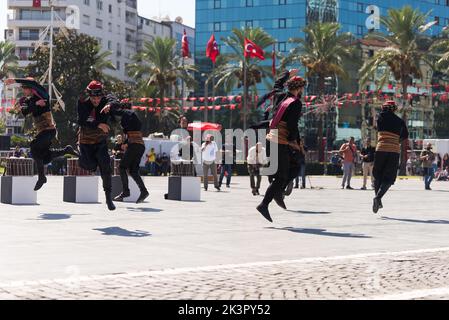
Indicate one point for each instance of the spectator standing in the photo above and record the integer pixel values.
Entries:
(209, 151)
(257, 158)
(151, 162)
(427, 157)
(367, 154)
(349, 153)
(302, 166)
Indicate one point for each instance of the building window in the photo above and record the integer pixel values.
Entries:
(217, 4)
(282, 2)
(100, 41)
(110, 8)
(249, 3)
(446, 22)
(282, 47)
(109, 45)
(360, 7)
(217, 26)
(447, 3)
(109, 27)
(360, 30)
(249, 23)
(86, 19)
(437, 2)
(437, 19)
(118, 65)
(87, 2)
(99, 24)
(99, 5)
(282, 23)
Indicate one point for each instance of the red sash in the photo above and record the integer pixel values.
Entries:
(280, 113)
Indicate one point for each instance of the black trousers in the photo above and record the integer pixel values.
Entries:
(282, 175)
(40, 146)
(40, 150)
(386, 166)
(97, 155)
(131, 161)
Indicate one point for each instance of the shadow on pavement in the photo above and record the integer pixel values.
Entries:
(309, 212)
(54, 216)
(116, 231)
(417, 221)
(322, 232)
(144, 209)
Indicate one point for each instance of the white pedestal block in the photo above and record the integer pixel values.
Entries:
(81, 189)
(18, 190)
(184, 188)
(133, 188)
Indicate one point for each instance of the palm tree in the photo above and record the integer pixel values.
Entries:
(229, 72)
(322, 52)
(441, 50)
(159, 67)
(8, 58)
(406, 49)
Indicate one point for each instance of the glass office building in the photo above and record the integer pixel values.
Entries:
(285, 19)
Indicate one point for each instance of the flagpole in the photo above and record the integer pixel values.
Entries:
(182, 90)
(213, 92)
(244, 94)
(50, 66)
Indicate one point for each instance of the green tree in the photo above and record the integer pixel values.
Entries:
(156, 70)
(323, 52)
(8, 59)
(230, 68)
(76, 61)
(406, 49)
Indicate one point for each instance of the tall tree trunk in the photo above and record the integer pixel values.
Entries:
(405, 143)
(321, 84)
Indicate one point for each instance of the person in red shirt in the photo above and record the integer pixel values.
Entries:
(349, 153)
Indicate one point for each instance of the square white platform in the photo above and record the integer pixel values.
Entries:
(81, 189)
(18, 190)
(184, 188)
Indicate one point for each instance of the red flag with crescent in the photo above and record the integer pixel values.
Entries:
(253, 51)
(212, 49)
(185, 45)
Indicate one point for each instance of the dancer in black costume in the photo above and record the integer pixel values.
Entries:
(36, 102)
(133, 146)
(391, 131)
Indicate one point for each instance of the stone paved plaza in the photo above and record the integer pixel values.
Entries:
(328, 245)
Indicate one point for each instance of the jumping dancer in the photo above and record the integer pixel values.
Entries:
(36, 102)
(93, 133)
(391, 131)
(284, 132)
(133, 146)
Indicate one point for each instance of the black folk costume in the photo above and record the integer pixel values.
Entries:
(283, 132)
(44, 126)
(392, 130)
(134, 151)
(93, 140)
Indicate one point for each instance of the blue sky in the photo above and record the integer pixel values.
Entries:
(146, 8)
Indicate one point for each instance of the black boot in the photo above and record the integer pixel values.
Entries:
(122, 196)
(40, 182)
(70, 150)
(40, 171)
(279, 199)
(143, 195)
(263, 209)
(109, 202)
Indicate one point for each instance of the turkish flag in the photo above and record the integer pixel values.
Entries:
(212, 49)
(36, 3)
(253, 51)
(273, 57)
(185, 45)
